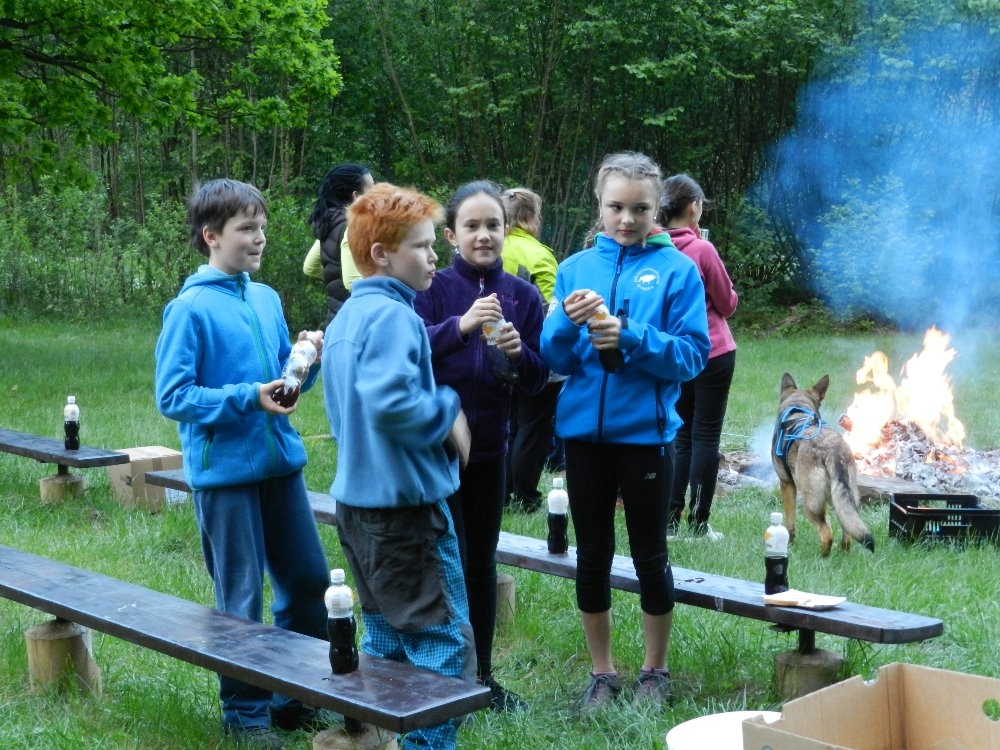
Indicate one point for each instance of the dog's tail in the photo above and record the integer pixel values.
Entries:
(846, 499)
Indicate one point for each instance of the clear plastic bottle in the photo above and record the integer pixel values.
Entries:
(776, 556)
(341, 626)
(558, 502)
(491, 329)
(296, 370)
(71, 424)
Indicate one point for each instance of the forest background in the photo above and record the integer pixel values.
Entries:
(849, 147)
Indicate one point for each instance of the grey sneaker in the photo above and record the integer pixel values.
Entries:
(602, 690)
(655, 687)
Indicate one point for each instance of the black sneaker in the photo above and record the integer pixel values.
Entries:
(305, 718)
(262, 738)
(520, 504)
(501, 699)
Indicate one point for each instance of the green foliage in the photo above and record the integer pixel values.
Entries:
(72, 72)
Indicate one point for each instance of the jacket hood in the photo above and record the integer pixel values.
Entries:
(683, 236)
(207, 274)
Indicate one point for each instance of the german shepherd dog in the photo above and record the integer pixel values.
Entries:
(812, 460)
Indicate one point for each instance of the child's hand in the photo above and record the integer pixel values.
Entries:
(605, 330)
(482, 310)
(459, 439)
(580, 305)
(265, 397)
(509, 342)
(316, 337)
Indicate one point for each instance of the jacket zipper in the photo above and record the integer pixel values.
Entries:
(258, 339)
(604, 380)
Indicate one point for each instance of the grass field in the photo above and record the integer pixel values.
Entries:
(718, 662)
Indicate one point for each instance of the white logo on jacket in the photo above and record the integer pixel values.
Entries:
(646, 279)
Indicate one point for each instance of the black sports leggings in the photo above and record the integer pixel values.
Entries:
(595, 473)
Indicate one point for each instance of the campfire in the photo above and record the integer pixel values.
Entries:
(909, 429)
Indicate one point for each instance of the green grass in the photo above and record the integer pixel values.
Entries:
(719, 662)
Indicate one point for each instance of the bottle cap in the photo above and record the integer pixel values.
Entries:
(337, 576)
(71, 399)
(776, 518)
(557, 483)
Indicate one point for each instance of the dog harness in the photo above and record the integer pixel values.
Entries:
(794, 424)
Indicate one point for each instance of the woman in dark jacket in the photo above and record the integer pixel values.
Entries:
(337, 191)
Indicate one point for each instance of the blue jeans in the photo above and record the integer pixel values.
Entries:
(249, 529)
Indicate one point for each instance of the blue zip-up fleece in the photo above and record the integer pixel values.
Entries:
(659, 291)
(222, 337)
(463, 362)
(387, 414)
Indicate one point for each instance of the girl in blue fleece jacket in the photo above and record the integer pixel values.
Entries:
(628, 326)
(218, 360)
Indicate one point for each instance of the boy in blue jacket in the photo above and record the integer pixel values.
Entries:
(400, 439)
(218, 359)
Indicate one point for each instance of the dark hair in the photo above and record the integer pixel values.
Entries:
(216, 202)
(469, 189)
(679, 192)
(336, 191)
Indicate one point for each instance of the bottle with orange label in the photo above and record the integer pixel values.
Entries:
(612, 360)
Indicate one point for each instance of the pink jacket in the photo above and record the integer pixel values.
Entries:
(720, 297)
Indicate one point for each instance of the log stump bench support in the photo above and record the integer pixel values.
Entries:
(62, 484)
(799, 671)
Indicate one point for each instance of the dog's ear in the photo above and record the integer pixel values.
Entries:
(787, 382)
(821, 386)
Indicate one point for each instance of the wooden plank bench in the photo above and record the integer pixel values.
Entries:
(388, 694)
(707, 590)
(52, 451)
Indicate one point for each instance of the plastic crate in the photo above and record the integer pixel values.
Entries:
(918, 517)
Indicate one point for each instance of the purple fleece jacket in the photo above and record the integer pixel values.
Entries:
(463, 363)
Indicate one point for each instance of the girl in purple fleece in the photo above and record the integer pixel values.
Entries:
(475, 291)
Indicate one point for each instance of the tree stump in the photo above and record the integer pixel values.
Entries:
(59, 487)
(361, 737)
(505, 599)
(59, 653)
(796, 674)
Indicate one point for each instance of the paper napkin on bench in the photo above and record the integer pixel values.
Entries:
(803, 599)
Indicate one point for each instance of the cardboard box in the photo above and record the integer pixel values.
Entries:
(905, 707)
(128, 481)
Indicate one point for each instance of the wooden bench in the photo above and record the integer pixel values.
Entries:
(707, 590)
(52, 451)
(385, 693)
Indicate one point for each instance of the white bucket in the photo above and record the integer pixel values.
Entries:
(715, 731)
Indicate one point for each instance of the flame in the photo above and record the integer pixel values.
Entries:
(922, 397)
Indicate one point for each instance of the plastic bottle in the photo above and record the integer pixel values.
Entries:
(341, 626)
(296, 370)
(776, 556)
(558, 502)
(491, 329)
(71, 424)
(612, 360)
